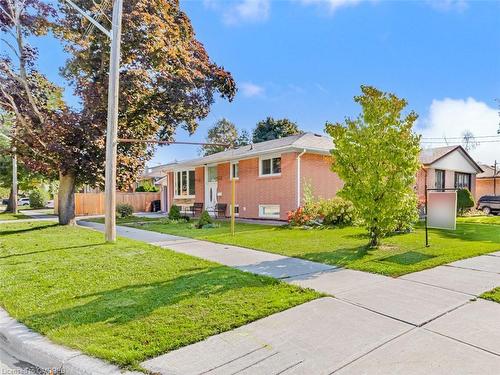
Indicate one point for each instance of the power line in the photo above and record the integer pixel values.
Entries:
(444, 142)
(478, 136)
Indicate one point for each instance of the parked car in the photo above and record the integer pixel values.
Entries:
(489, 204)
(23, 202)
(50, 204)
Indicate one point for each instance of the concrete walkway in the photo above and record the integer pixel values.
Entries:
(421, 323)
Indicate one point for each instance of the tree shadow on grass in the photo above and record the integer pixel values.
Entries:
(129, 303)
(24, 230)
(340, 257)
(52, 250)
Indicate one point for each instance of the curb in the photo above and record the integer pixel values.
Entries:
(23, 343)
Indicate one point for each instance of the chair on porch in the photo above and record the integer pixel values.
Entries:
(196, 209)
(220, 210)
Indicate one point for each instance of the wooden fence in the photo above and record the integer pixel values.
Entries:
(93, 203)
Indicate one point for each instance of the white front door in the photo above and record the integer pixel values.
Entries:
(211, 188)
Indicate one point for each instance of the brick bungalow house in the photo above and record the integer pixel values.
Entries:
(270, 176)
(488, 182)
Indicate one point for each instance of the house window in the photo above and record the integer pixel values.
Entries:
(235, 171)
(440, 184)
(271, 211)
(236, 210)
(212, 174)
(270, 166)
(462, 180)
(184, 182)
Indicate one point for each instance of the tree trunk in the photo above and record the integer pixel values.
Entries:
(66, 199)
(10, 205)
(374, 238)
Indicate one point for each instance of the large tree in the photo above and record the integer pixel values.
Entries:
(270, 128)
(167, 79)
(224, 132)
(48, 136)
(376, 155)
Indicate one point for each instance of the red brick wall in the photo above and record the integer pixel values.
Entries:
(252, 190)
(315, 171)
(199, 184)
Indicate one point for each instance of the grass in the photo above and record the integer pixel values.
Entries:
(480, 219)
(129, 301)
(10, 216)
(492, 295)
(400, 254)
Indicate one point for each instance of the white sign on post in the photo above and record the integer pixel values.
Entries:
(442, 209)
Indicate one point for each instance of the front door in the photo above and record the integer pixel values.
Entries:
(211, 188)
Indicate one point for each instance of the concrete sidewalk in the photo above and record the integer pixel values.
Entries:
(426, 322)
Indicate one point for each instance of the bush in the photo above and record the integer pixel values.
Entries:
(204, 220)
(174, 213)
(124, 210)
(465, 201)
(336, 211)
(298, 217)
(38, 198)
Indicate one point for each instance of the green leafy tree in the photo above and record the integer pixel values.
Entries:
(270, 128)
(225, 132)
(376, 155)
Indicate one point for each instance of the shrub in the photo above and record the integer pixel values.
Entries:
(205, 219)
(298, 217)
(124, 210)
(174, 213)
(146, 186)
(38, 198)
(465, 201)
(336, 211)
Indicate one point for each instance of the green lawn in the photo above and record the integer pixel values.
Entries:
(399, 254)
(129, 301)
(480, 219)
(493, 295)
(10, 216)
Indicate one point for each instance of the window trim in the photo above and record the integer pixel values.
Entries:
(236, 206)
(270, 157)
(188, 196)
(261, 211)
(469, 180)
(231, 177)
(441, 188)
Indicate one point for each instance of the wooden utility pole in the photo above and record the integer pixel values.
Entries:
(14, 181)
(112, 127)
(495, 175)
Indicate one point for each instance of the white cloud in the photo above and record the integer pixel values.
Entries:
(333, 5)
(449, 5)
(241, 11)
(450, 118)
(250, 89)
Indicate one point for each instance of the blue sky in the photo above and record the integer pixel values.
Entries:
(305, 60)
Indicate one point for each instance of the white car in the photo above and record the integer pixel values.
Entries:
(23, 202)
(50, 204)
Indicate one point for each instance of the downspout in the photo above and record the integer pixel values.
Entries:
(298, 176)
